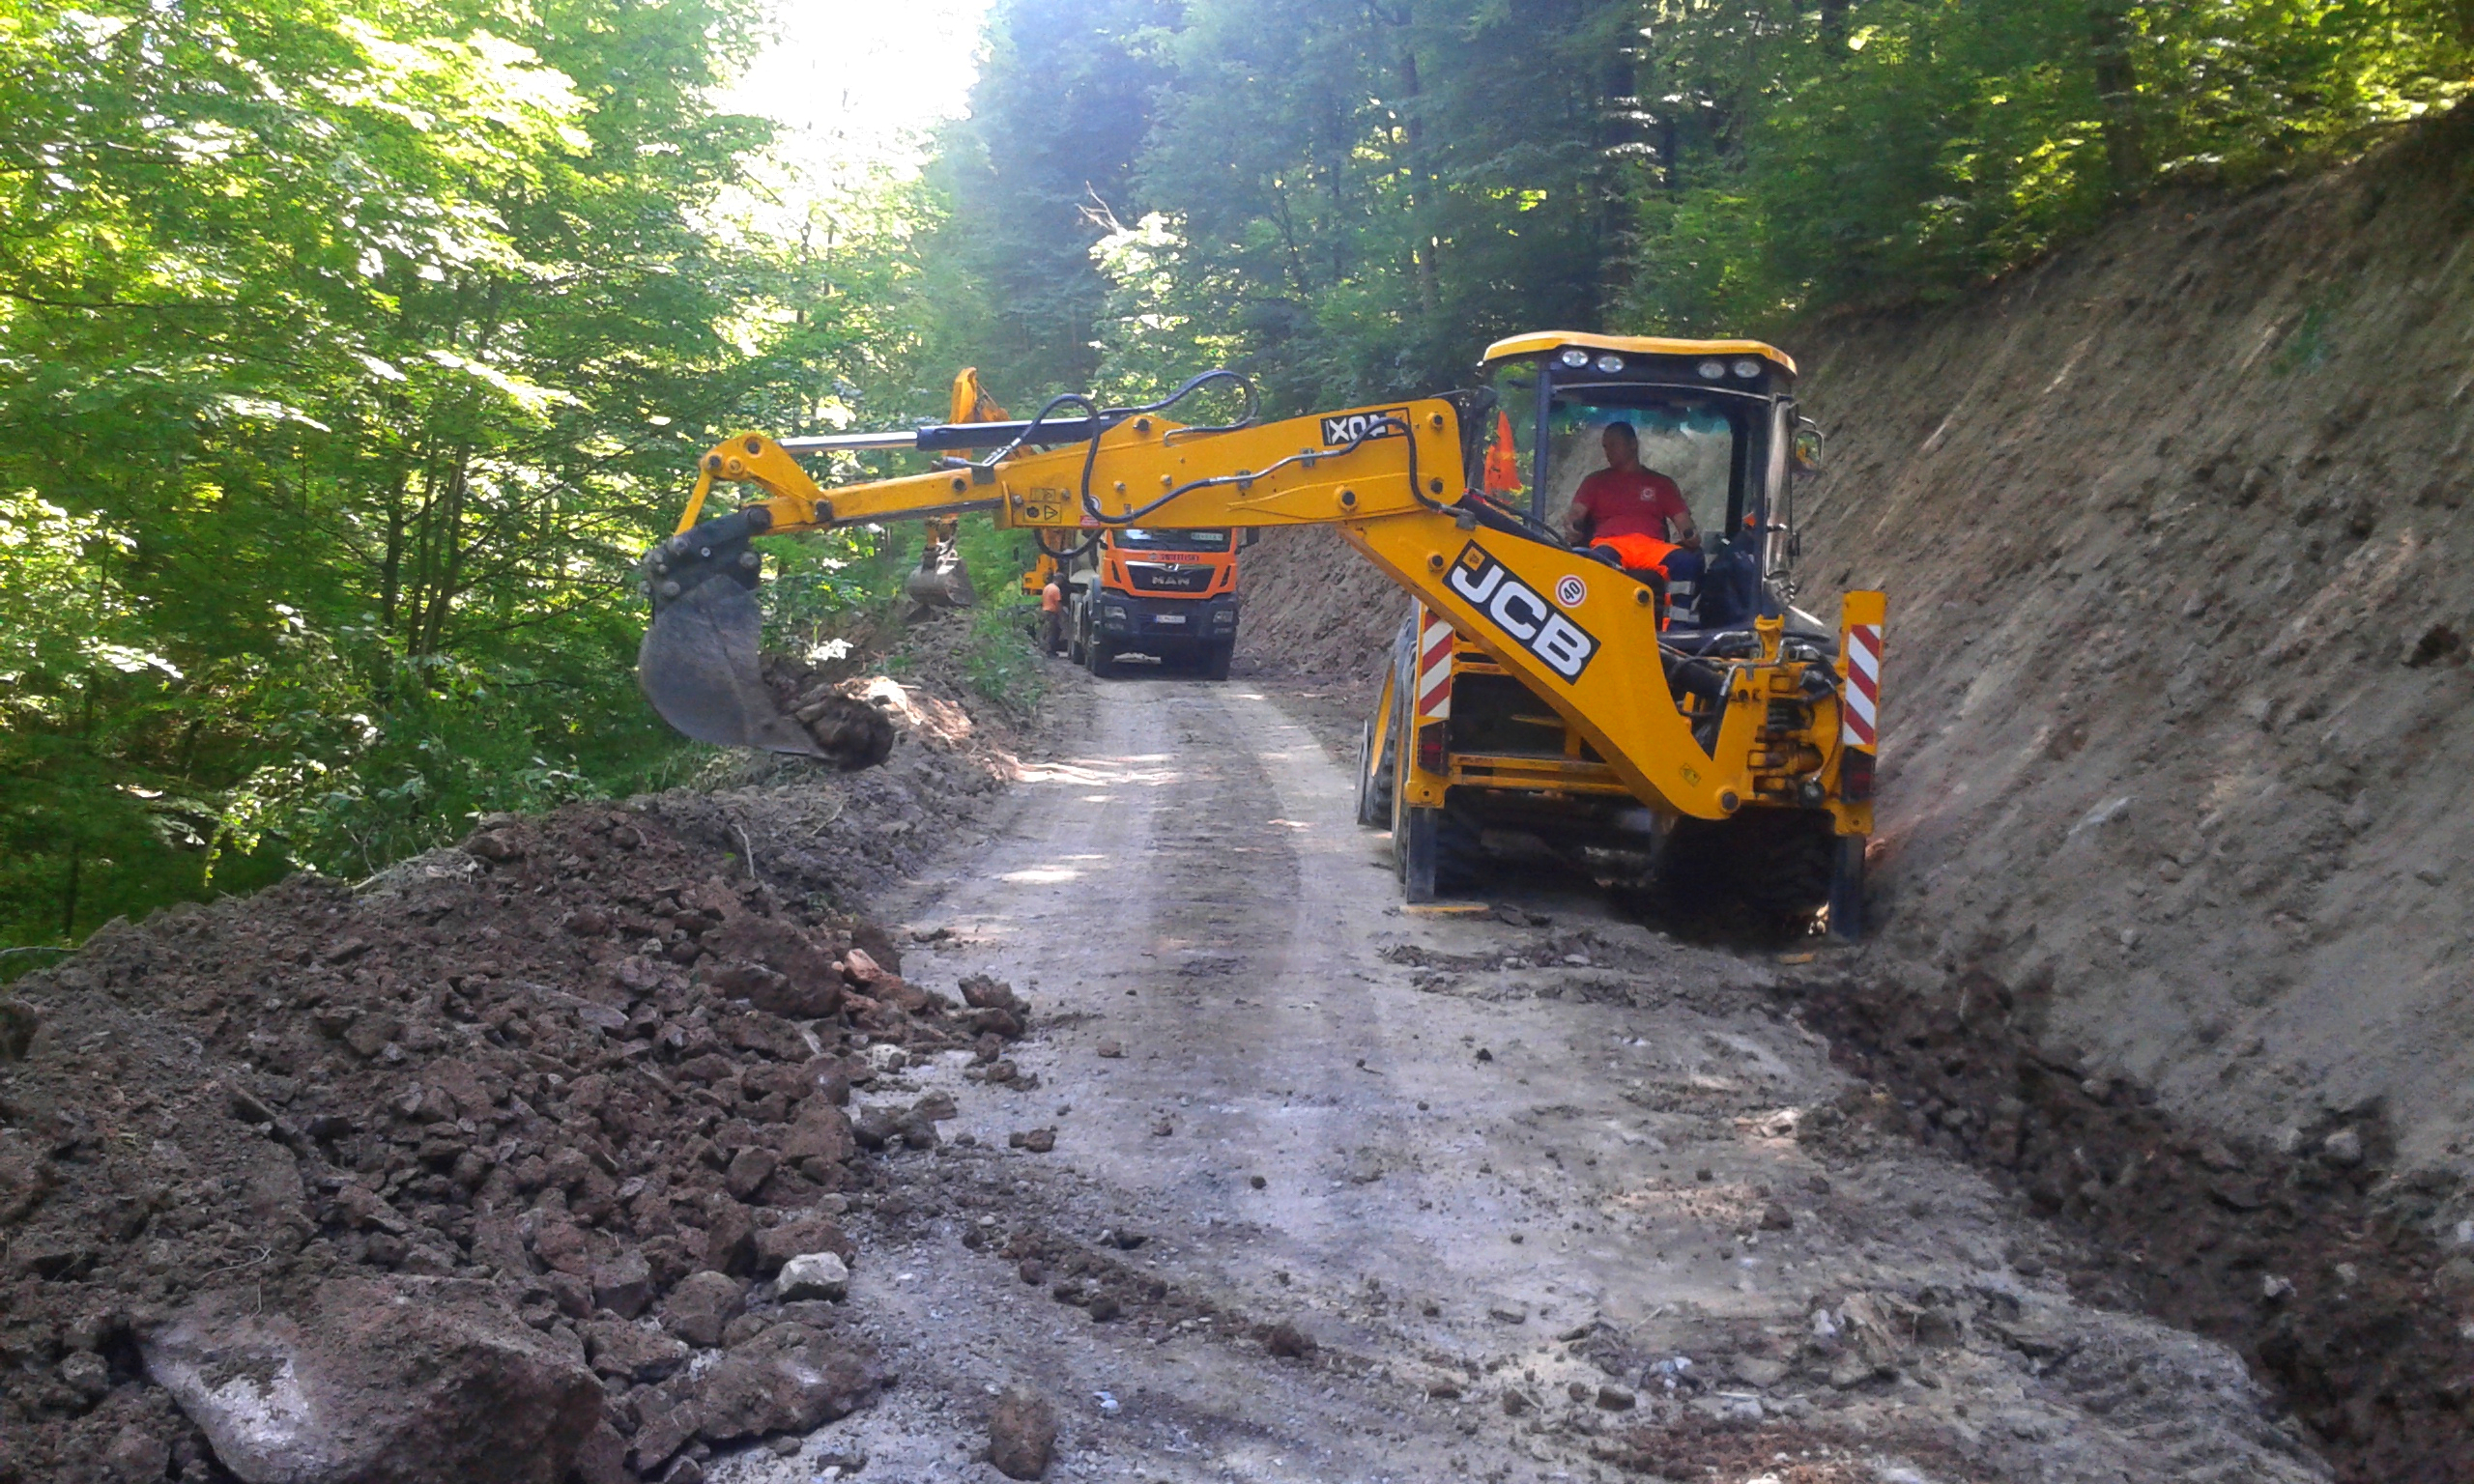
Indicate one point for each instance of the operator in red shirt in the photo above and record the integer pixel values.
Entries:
(1626, 500)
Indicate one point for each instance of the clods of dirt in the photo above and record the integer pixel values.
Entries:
(487, 1168)
(834, 711)
(2313, 1260)
(1021, 1435)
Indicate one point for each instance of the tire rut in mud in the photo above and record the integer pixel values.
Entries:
(2315, 1260)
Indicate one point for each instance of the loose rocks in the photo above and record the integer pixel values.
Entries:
(1022, 1436)
(377, 1374)
(812, 1275)
(504, 1119)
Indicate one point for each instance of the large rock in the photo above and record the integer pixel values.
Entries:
(625, 1351)
(701, 1306)
(787, 1380)
(406, 1381)
(1022, 1436)
(798, 1237)
(812, 1275)
(823, 1131)
(774, 966)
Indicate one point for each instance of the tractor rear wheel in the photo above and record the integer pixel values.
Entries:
(1769, 868)
(1373, 781)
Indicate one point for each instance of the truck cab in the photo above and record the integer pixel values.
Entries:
(1166, 593)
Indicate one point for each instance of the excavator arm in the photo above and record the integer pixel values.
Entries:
(1582, 635)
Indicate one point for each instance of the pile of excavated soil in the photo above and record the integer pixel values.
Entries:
(522, 1162)
(2313, 1260)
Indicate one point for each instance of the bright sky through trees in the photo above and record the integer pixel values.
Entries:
(858, 84)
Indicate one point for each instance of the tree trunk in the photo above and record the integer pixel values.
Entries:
(1426, 244)
(2109, 39)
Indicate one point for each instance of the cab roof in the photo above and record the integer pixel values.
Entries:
(1546, 341)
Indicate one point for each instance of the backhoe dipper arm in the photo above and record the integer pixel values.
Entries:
(1582, 635)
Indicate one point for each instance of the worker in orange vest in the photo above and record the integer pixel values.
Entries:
(1637, 517)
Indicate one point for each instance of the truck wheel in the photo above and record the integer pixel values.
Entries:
(1101, 657)
(1373, 781)
(1216, 657)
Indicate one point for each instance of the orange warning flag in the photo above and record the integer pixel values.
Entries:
(1503, 460)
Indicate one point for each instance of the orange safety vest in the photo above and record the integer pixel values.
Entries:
(1051, 598)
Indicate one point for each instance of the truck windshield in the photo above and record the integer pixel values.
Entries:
(1146, 538)
(1691, 442)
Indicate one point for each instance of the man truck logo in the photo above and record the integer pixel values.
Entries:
(1350, 427)
(1534, 623)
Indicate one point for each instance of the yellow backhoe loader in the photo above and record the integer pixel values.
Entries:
(1758, 732)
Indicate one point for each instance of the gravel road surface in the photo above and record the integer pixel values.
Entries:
(1344, 1192)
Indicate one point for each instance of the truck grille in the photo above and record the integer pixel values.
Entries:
(1157, 577)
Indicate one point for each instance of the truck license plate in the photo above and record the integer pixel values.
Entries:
(1169, 619)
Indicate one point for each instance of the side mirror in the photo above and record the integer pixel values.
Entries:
(1806, 453)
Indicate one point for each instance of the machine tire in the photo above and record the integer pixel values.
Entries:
(1846, 888)
(1417, 852)
(1373, 781)
(1770, 868)
(1101, 656)
(1216, 655)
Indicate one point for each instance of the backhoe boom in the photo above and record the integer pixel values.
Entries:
(1582, 635)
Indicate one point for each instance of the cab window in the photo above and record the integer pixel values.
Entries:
(1143, 538)
(1509, 458)
(1696, 444)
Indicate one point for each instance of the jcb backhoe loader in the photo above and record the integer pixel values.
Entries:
(1758, 732)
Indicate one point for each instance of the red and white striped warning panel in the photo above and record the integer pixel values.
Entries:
(1434, 666)
(1863, 682)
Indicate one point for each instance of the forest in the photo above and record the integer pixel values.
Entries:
(350, 353)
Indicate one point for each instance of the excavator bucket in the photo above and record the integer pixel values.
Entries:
(941, 580)
(699, 666)
(703, 666)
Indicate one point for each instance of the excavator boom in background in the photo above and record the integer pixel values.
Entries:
(1774, 723)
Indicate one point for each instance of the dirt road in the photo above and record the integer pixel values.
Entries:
(1343, 1193)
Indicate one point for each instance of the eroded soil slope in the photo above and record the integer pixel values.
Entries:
(2174, 529)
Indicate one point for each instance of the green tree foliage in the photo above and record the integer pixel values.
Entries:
(349, 354)
(1349, 198)
(1037, 175)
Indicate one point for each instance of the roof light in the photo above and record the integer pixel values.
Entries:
(1610, 364)
(1747, 368)
(1712, 370)
(1575, 357)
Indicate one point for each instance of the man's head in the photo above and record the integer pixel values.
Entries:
(1622, 446)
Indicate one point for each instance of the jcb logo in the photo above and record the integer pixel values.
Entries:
(1534, 623)
(1351, 427)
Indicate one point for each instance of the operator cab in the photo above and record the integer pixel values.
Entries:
(1716, 416)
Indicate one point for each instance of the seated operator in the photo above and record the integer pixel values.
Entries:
(1638, 516)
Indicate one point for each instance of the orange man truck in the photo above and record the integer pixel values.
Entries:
(1171, 594)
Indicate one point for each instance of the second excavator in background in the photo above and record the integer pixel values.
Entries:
(1736, 750)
